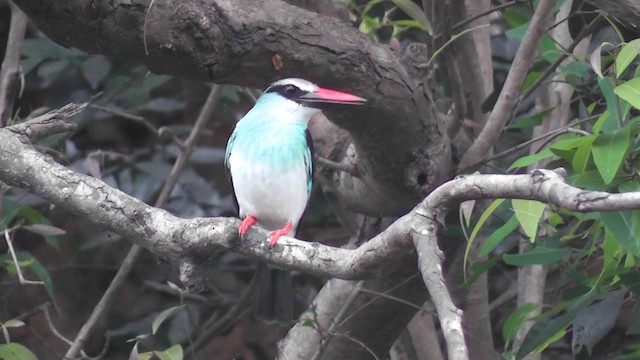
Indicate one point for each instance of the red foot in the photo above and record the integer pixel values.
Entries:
(275, 235)
(247, 222)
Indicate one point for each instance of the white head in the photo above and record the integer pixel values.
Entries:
(303, 98)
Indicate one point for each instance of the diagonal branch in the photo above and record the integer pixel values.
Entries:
(193, 241)
(509, 94)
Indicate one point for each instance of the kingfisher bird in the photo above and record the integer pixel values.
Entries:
(269, 158)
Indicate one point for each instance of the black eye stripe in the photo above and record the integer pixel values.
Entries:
(289, 91)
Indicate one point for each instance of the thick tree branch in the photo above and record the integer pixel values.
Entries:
(402, 155)
(193, 241)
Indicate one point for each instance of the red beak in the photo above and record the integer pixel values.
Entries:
(324, 98)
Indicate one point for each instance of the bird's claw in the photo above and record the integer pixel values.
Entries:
(247, 223)
(275, 235)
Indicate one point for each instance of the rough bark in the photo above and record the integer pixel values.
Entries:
(400, 151)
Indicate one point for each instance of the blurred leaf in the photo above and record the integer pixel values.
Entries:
(630, 91)
(52, 67)
(466, 210)
(415, 12)
(517, 32)
(528, 213)
(530, 121)
(596, 62)
(369, 25)
(164, 315)
(41, 272)
(152, 81)
(497, 236)
(483, 218)
(631, 281)
(548, 49)
(44, 230)
(478, 268)
(515, 320)
(13, 323)
(530, 159)
(9, 209)
(593, 322)
(515, 18)
(583, 154)
(624, 226)
(15, 351)
(609, 151)
(575, 72)
(538, 255)
(625, 57)
(549, 328)
(95, 69)
(615, 110)
(35, 217)
(530, 79)
(173, 353)
(592, 180)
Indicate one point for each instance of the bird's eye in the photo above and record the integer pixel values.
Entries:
(290, 90)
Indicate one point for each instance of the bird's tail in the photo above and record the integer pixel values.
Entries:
(274, 294)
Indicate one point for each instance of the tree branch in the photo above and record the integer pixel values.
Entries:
(10, 73)
(190, 242)
(233, 41)
(508, 96)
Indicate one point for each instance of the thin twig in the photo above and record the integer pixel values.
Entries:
(549, 70)
(131, 259)
(550, 134)
(10, 73)
(21, 278)
(465, 22)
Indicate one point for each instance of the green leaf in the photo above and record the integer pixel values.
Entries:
(530, 159)
(609, 151)
(583, 154)
(528, 213)
(515, 321)
(515, 18)
(517, 32)
(614, 116)
(625, 57)
(630, 92)
(548, 329)
(415, 12)
(497, 236)
(624, 225)
(10, 210)
(631, 281)
(539, 255)
(15, 351)
(173, 353)
(530, 121)
(483, 218)
(41, 272)
(548, 49)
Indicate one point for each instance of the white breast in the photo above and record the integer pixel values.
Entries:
(272, 197)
